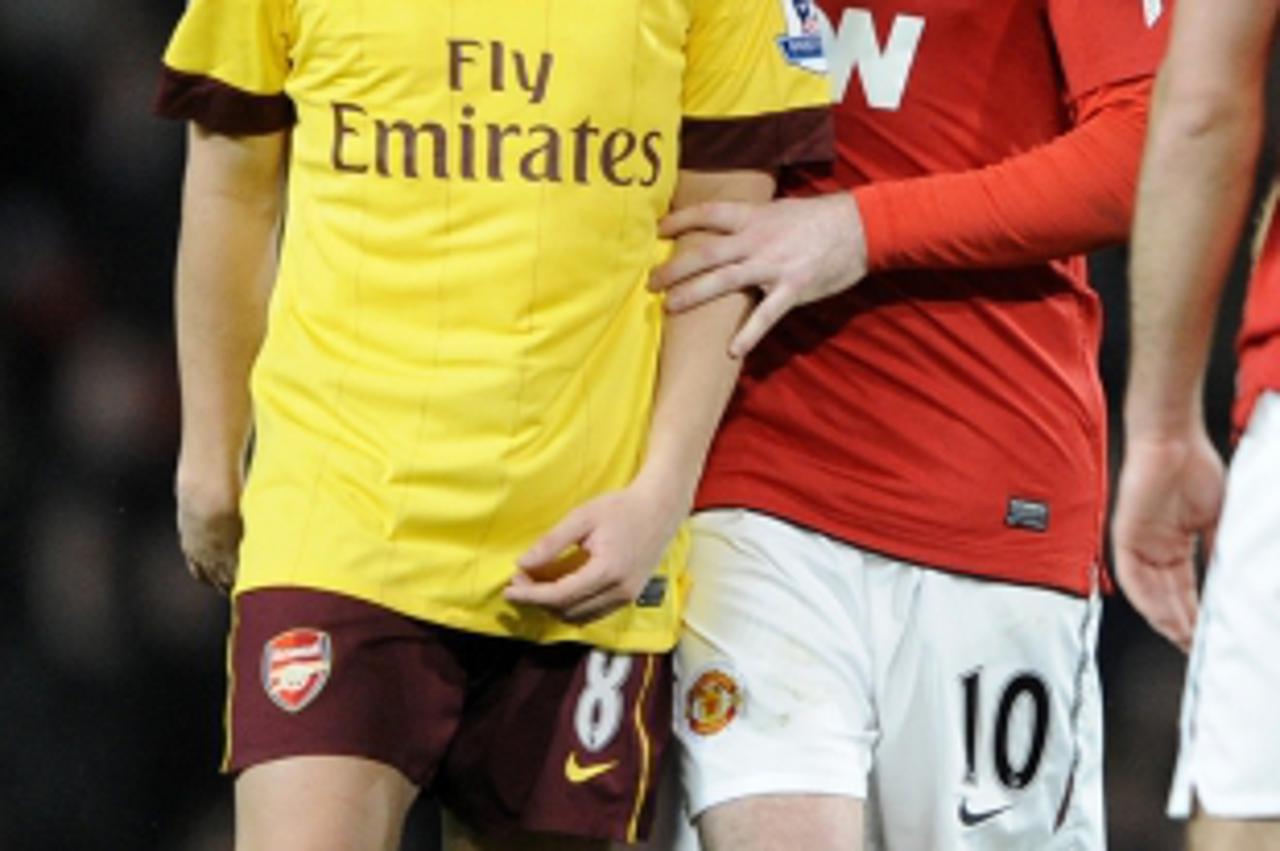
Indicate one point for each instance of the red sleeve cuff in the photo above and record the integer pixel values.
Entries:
(877, 224)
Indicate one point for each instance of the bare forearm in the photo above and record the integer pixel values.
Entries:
(696, 372)
(697, 378)
(1192, 202)
(226, 264)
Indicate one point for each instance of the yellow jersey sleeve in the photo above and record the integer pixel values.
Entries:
(227, 67)
(755, 86)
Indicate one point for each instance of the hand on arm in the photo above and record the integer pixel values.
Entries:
(622, 535)
(1192, 200)
(792, 251)
(227, 254)
(1030, 208)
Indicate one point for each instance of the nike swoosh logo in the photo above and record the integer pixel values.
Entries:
(969, 818)
(578, 773)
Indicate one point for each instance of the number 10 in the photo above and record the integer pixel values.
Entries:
(1035, 690)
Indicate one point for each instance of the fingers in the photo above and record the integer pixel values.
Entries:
(594, 608)
(765, 315)
(1176, 620)
(718, 217)
(576, 586)
(696, 258)
(1209, 540)
(1164, 594)
(210, 545)
(554, 578)
(711, 286)
(573, 529)
(211, 559)
(1171, 608)
(220, 574)
(584, 595)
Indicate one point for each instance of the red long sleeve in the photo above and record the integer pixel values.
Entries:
(1069, 196)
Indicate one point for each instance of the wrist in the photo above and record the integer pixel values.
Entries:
(1163, 421)
(668, 485)
(212, 480)
(875, 224)
(1168, 441)
(848, 231)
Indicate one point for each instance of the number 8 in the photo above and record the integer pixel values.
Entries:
(598, 716)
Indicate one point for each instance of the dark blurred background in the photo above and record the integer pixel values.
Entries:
(111, 671)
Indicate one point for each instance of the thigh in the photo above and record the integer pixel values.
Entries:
(773, 671)
(321, 803)
(565, 741)
(1230, 746)
(459, 837)
(1213, 834)
(319, 674)
(783, 823)
(990, 723)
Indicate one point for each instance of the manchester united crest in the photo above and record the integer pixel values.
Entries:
(712, 702)
(295, 667)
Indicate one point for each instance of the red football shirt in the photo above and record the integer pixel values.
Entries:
(949, 418)
(1259, 342)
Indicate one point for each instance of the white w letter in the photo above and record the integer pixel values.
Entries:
(884, 72)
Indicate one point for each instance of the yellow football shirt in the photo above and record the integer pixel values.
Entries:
(460, 347)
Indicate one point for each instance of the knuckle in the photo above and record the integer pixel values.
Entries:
(717, 209)
(731, 278)
(552, 603)
(723, 251)
(790, 284)
(699, 253)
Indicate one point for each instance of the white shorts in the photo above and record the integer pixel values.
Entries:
(1229, 760)
(965, 712)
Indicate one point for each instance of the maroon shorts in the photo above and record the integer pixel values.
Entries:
(509, 735)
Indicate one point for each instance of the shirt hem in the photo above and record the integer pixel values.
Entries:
(925, 557)
(619, 639)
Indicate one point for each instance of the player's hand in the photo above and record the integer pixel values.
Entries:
(1168, 500)
(600, 556)
(793, 251)
(209, 530)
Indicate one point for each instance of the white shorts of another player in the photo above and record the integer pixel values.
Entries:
(1229, 759)
(966, 713)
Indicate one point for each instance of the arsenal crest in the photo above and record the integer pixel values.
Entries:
(295, 667)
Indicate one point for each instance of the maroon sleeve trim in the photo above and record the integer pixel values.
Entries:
(767, 142)
(219, 107)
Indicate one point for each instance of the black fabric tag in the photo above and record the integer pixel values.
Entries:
(1029, 514)
(655, 591)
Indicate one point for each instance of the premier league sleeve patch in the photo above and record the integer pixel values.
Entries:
(802, 44)
(295, 667)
